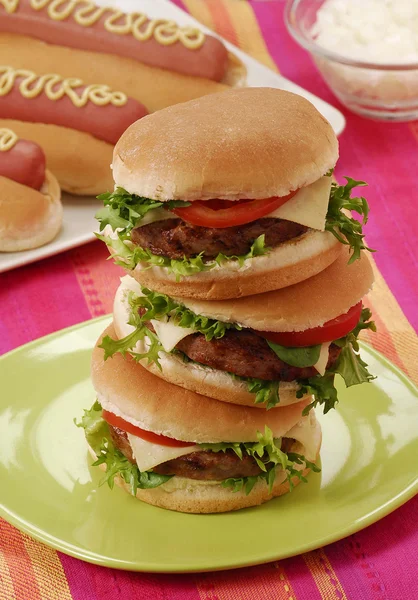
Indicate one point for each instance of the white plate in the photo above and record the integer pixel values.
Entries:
(79, 222)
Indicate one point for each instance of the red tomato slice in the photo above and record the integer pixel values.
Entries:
(221, 214)
(142, 433)
(330, 331)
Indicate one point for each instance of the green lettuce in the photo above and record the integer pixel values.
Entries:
(349, 365)
(266, 392)
(128, 255)
(128, 343)
(268, 456)
(297, 357)
(124, 211)
(344, 227)
(266, 452)
(160, 306)
(98, 438)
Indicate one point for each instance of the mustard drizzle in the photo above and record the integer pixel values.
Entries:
(86, 13)
(8, 139)
(56, 87)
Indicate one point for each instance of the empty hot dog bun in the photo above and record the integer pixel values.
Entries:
(29, 218)
(128, 391)
(243, 144)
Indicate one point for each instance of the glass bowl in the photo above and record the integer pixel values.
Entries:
(388, 92)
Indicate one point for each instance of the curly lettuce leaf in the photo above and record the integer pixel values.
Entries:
(297, 357)
(266, 392)
(128, 255)
(349, 365)
(258, 248)
(268, 455)
(160, 306)
(124, 211)
(266, 451)
(323, 390)
(344, 227)
(128, 343)
(98, 438)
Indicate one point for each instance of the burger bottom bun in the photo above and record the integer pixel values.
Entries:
(213, 382)
(287, 264)
(29, 218)
(193, 496)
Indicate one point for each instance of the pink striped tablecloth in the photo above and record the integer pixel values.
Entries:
(379, 563)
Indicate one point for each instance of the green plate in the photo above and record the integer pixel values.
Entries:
(48, 489)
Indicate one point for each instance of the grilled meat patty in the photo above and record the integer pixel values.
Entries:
(204, 465)
(177, 239)
(246, 354)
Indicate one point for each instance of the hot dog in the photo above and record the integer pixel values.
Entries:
(84, 25)
(49, 98)
(152, 87)
(30, 197)
(22, 161)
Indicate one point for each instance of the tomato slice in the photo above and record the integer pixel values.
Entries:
(221, 214)
(330, 331)
(116, 421)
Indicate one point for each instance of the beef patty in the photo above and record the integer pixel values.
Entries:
(204, 465)
(246, 354)
(177, 239)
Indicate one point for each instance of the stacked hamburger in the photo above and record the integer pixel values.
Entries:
(243, 300)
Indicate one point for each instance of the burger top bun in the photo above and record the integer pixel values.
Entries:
(242, 143)
(309, 303)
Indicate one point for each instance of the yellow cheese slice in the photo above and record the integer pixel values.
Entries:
(302, 432)
(148, 455)
(321, 364)
(308, 207)
(170, 334)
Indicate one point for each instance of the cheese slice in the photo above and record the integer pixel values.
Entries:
(156, 214)
(170, 334)
(308, 207)
(302, 432)
(321, 364)
(148, 455)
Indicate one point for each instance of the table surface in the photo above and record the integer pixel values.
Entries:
(378, 563)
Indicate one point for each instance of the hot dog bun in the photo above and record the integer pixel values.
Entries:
(29, 218)
(80, 161)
